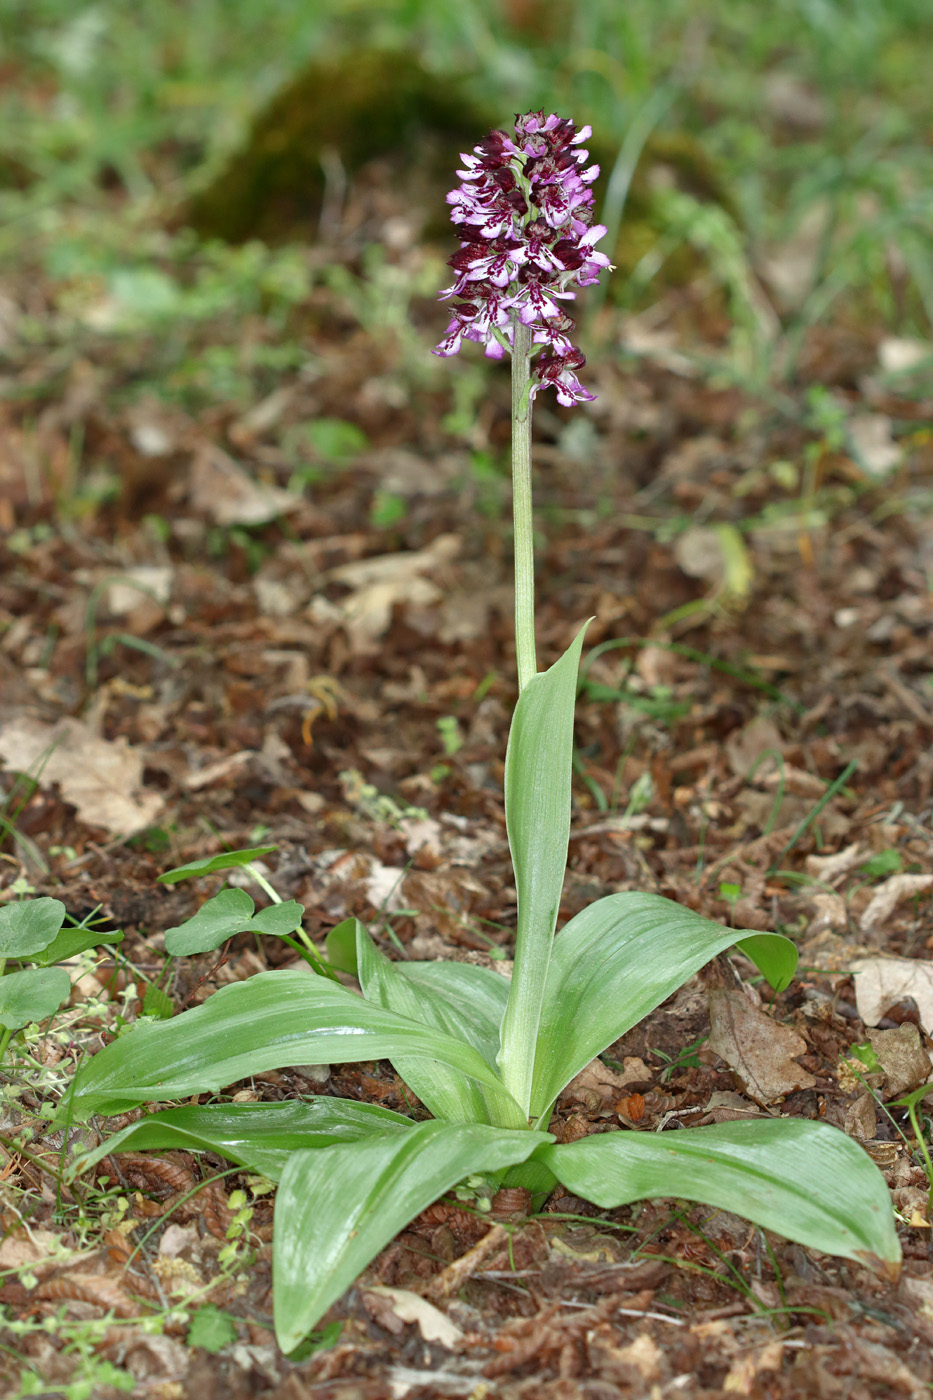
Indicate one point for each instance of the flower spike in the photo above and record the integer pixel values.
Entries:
(524, 209)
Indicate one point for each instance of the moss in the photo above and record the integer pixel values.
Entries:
(359, 107)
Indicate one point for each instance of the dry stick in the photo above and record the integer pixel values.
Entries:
(452, 1278)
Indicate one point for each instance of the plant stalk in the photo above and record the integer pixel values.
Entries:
(523, 525)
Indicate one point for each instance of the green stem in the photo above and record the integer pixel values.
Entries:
(521, 508)
(311, 956)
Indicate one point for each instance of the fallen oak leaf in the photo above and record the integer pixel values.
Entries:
(881, 983)
(759, 1050)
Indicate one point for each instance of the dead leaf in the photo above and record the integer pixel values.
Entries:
(888, 895)
(147, 583)
(390, 568)
(598, 1079)
(829, 868)
(229, 496)
(379, 584)
(829, 912)
(903, 1058)
(861, 1121)
(406, 1306)
(727, 1107)
(897, 354)
(872, 444)
(881, 983)
(34, 1249)
(101, 778)
(746, 748)
(758, 1049)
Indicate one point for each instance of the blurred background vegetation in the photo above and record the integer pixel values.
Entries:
(172, 172)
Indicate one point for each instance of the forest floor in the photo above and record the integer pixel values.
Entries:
(285, 619)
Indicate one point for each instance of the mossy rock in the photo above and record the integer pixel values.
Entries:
(360, 107)
(383, 106)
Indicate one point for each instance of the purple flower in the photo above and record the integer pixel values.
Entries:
(524, 211)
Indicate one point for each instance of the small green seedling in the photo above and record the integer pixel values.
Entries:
(37, 931)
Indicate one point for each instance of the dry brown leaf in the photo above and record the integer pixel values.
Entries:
(881, 983)
(829, 912)
(829, 868)
(861, 1121)
(101, 778)
(29, 1249)
(102, 1290)
(229, 496)
(888, 895)
(902, 1057)
(758, 1049)
(433, 1325)
(597, 1078)
(747, 747)
(379, 584)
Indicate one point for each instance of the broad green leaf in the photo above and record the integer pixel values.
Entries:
(446, 1092)
(258, 1136)
(209, 865)
(337, 1207)
(279, 920)
(272, 1020)
(481, 993)
(340, 945)
(220, 918)
(32, 995)
(614, 963)
(538, 767)
(29, 926)
(807, 1181)
(69, 942)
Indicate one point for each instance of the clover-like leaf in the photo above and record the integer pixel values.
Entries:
(29, 926)
(279, 920)
(220, 918)
(32, 995)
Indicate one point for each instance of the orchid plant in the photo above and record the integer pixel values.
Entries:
(486, 1056)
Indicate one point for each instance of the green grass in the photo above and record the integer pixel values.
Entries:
(146, 97)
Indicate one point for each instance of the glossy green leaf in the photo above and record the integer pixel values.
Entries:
(807, 1181)
(481, 993)
(446, 1092)
(272, 1020)
(337, 1207)
(220, 918)
(69, 942)
(340, 945)
(210, 865)
(538, 768)
(259, 1136)
(29, 926)
(614, 963)
(32, 995)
